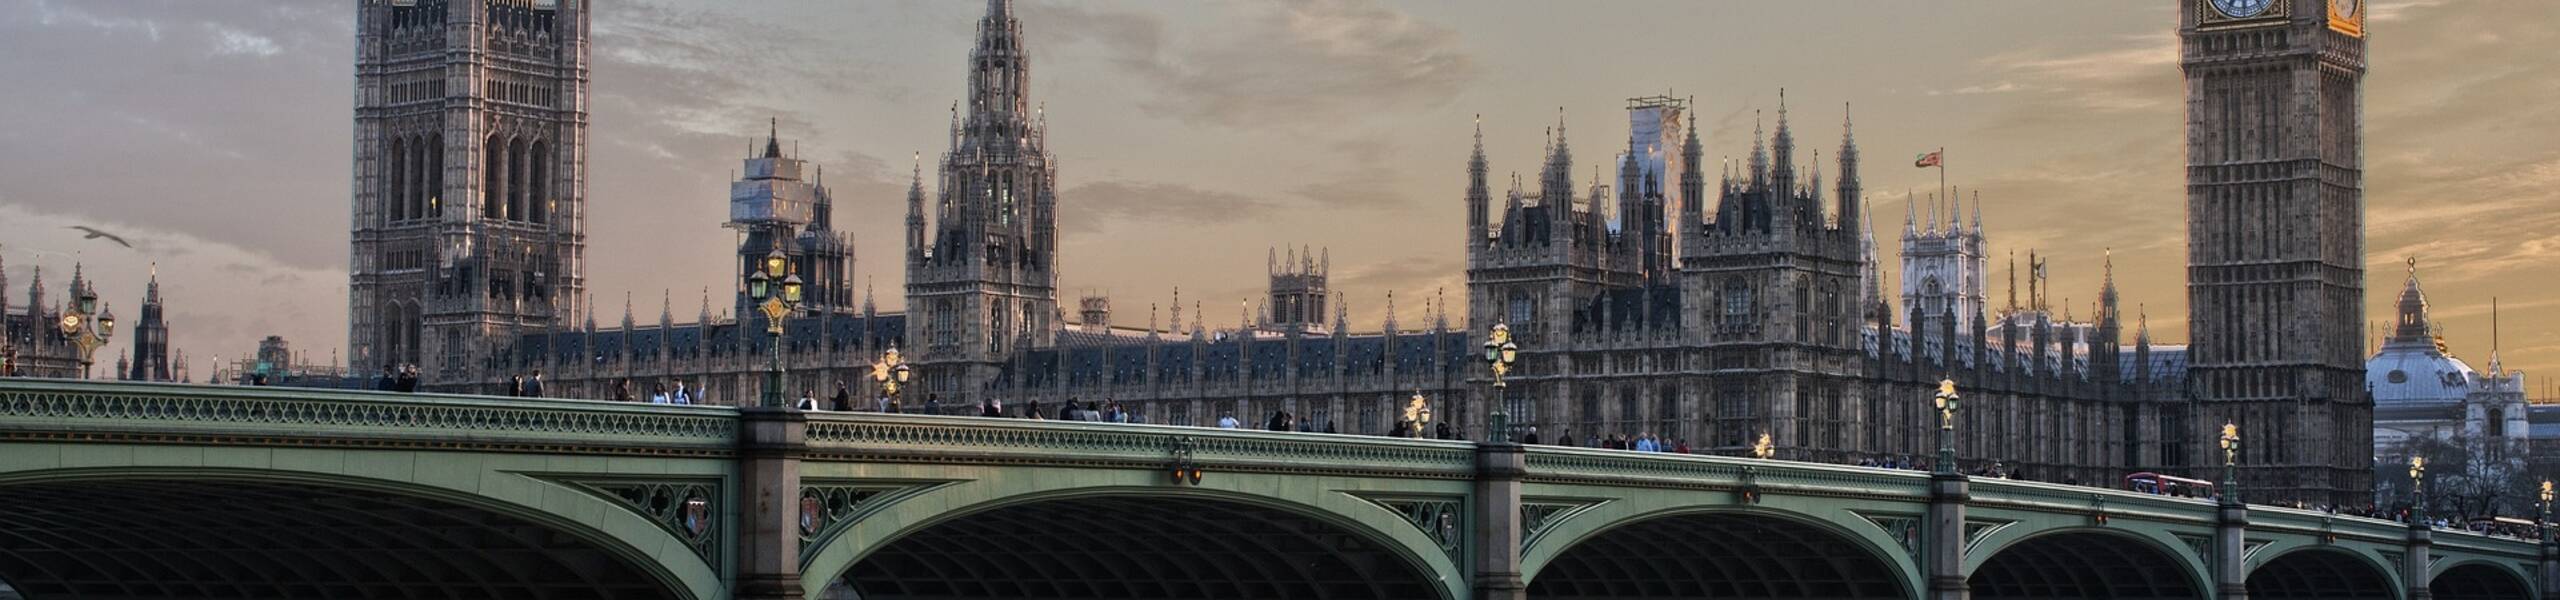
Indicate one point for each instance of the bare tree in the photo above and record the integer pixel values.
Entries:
(2461, 483)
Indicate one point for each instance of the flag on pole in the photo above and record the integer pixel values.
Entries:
(1928, 160)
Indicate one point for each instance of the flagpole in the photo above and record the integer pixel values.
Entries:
(1942, 178)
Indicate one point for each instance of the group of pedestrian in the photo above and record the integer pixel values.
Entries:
(399, 378)
(525, 386)
(842, 401)
(1641, 442)
(1106, 411)
(659, 394)
(1411, 429)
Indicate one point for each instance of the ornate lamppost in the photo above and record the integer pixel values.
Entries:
(2230, 463)
(1762, 449)
(1418, 411)
(1499, 355)
(2418, 489)
(1947, 401)
(775, 304)
(2544, 523)
(892, 373)
(87, 326)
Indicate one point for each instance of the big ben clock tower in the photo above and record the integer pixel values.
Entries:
(2275, 244)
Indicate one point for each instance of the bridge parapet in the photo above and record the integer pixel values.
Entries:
(2034, 496)
(2328, 527)
(170, 413)
(1556, 464)
(933, 439)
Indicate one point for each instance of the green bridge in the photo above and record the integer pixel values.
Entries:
(119, 490)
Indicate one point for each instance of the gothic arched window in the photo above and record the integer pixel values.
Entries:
(1004, 199)
(995, 327)
(538, 184)
(943, 327)
(1737, 304)
(1831, 311)
(491, 168)
(434, 177)
(1032, 318)
(399, 168)
(515, 180)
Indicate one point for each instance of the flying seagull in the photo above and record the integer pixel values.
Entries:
(94, 233)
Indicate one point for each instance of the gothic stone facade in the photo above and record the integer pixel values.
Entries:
(469, 192)
(2275, 238)
(1640, 308)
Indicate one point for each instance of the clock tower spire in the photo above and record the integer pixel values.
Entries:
(2275, 145)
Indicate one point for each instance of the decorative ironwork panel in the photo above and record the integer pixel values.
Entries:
(828, 508)
(1977, 530)
(689, 508)
(1903, 528)
(1438, 517)
(2249, 549)
(1538, 516)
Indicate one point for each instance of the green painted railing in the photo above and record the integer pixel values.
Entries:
(1556, 464)
(159, 412)
(2316, 523)
(2077, 499)
(920, 438)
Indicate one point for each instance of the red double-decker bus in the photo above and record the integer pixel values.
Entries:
(2168, 485)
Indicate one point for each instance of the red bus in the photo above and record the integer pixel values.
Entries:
(2168, 485)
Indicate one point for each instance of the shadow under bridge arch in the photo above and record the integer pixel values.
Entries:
(2092, 564)
(132, 536)
(2477, 581)
(1718, 555)
(1125, 545)
(2318, 573)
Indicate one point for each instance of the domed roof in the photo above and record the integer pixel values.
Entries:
(2411, 373)
(2413, 366)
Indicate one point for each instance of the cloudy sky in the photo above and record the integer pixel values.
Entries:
(215, 134)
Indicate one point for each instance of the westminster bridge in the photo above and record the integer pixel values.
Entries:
(124, 490)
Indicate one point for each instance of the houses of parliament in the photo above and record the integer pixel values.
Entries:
(1665, 299)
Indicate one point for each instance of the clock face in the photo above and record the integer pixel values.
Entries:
(2239, 9)
(2346, 17)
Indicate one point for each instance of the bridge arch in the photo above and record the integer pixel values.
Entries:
(1243, 537)
(2083, 562)
(281, 531)
(2311, 572)
(1689, 553)
(2477, 579)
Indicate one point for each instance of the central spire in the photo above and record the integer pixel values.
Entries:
(1782, 148)
(1759, 164)
(1000, 72)
(1850, 188)
(773, 137)
(2412, 324)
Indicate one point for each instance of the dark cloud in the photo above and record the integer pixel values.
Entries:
(1297, 64)
(1102, 205)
